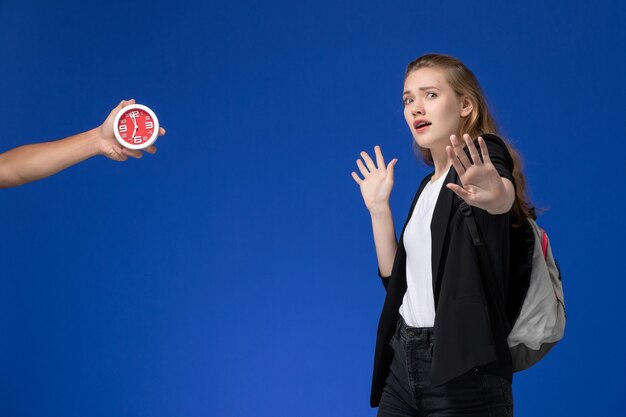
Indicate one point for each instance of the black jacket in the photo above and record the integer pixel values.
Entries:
(467, 335)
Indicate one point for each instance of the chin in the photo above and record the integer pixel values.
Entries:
(429, 141)
(423, 141)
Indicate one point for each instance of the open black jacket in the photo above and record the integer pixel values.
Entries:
(467, 335)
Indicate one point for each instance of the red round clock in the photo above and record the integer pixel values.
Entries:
(136, 126)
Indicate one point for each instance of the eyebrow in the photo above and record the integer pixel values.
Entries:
(422, 89)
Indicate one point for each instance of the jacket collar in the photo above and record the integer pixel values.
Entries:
(438, 225)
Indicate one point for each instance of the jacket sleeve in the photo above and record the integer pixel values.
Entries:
(500, 156)
(385, 280)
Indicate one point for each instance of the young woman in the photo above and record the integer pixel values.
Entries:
(440, 350)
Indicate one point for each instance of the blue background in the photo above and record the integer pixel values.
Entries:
(234, 272)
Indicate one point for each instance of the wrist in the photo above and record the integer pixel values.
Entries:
(500, 208)
(505, 200)
(379, 210)
(97, 140)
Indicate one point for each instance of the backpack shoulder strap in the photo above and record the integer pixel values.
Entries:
(487, 276)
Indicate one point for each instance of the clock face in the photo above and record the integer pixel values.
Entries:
(136, 126)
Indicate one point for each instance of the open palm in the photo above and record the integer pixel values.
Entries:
(377, 181)
(481, 183)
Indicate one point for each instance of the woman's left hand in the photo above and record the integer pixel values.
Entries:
(482, 185)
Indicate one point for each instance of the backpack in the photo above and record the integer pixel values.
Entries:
(536, 307)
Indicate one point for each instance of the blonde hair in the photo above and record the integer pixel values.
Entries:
(479, 121)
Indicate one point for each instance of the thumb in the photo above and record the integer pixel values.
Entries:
(125, 103)
(460, 191)
(391, 166)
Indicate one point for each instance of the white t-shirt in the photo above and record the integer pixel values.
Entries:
(418, 304)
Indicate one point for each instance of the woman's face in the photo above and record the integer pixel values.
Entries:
(432, 109)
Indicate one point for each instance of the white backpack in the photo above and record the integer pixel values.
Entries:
(540, 322)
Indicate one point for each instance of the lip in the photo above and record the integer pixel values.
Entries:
(423, 128)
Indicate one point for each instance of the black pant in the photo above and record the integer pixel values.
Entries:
(408, 391)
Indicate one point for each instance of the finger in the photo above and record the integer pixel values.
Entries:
(117, 153)
(151, 149)
(134, 153)
(459, 168)
(356, 178)
(122, 104)
(472, 149)
(116, 108)
(380, 161)
(484, 150)
(460, 191)
(117, 156)
(368, 161)
(459, 152)
(390, 167)
(362, 168)
(161, 132)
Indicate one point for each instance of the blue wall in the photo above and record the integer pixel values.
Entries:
(234, 273)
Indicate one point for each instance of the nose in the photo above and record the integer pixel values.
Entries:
(417, 108)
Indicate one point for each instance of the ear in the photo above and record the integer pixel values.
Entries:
(466, 106)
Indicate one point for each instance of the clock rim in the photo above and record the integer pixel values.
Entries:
(152, 138)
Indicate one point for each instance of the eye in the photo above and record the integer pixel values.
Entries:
(430, 94)
(407, 100)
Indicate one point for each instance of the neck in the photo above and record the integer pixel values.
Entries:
(441, 162)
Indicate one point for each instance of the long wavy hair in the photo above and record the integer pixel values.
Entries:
(478, 122)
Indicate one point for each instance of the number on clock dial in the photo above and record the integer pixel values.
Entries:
(136, 126)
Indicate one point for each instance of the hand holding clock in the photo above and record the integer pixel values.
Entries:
(110, 147)
(39, 160)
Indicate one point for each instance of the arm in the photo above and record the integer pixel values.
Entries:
(384, 240)
(376, 188)
(32, 162)
(483, 187)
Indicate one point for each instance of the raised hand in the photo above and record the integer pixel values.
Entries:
(110, 147)
(377, 182)
(482, 185)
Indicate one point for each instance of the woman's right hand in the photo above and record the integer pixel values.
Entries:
(377, 182)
